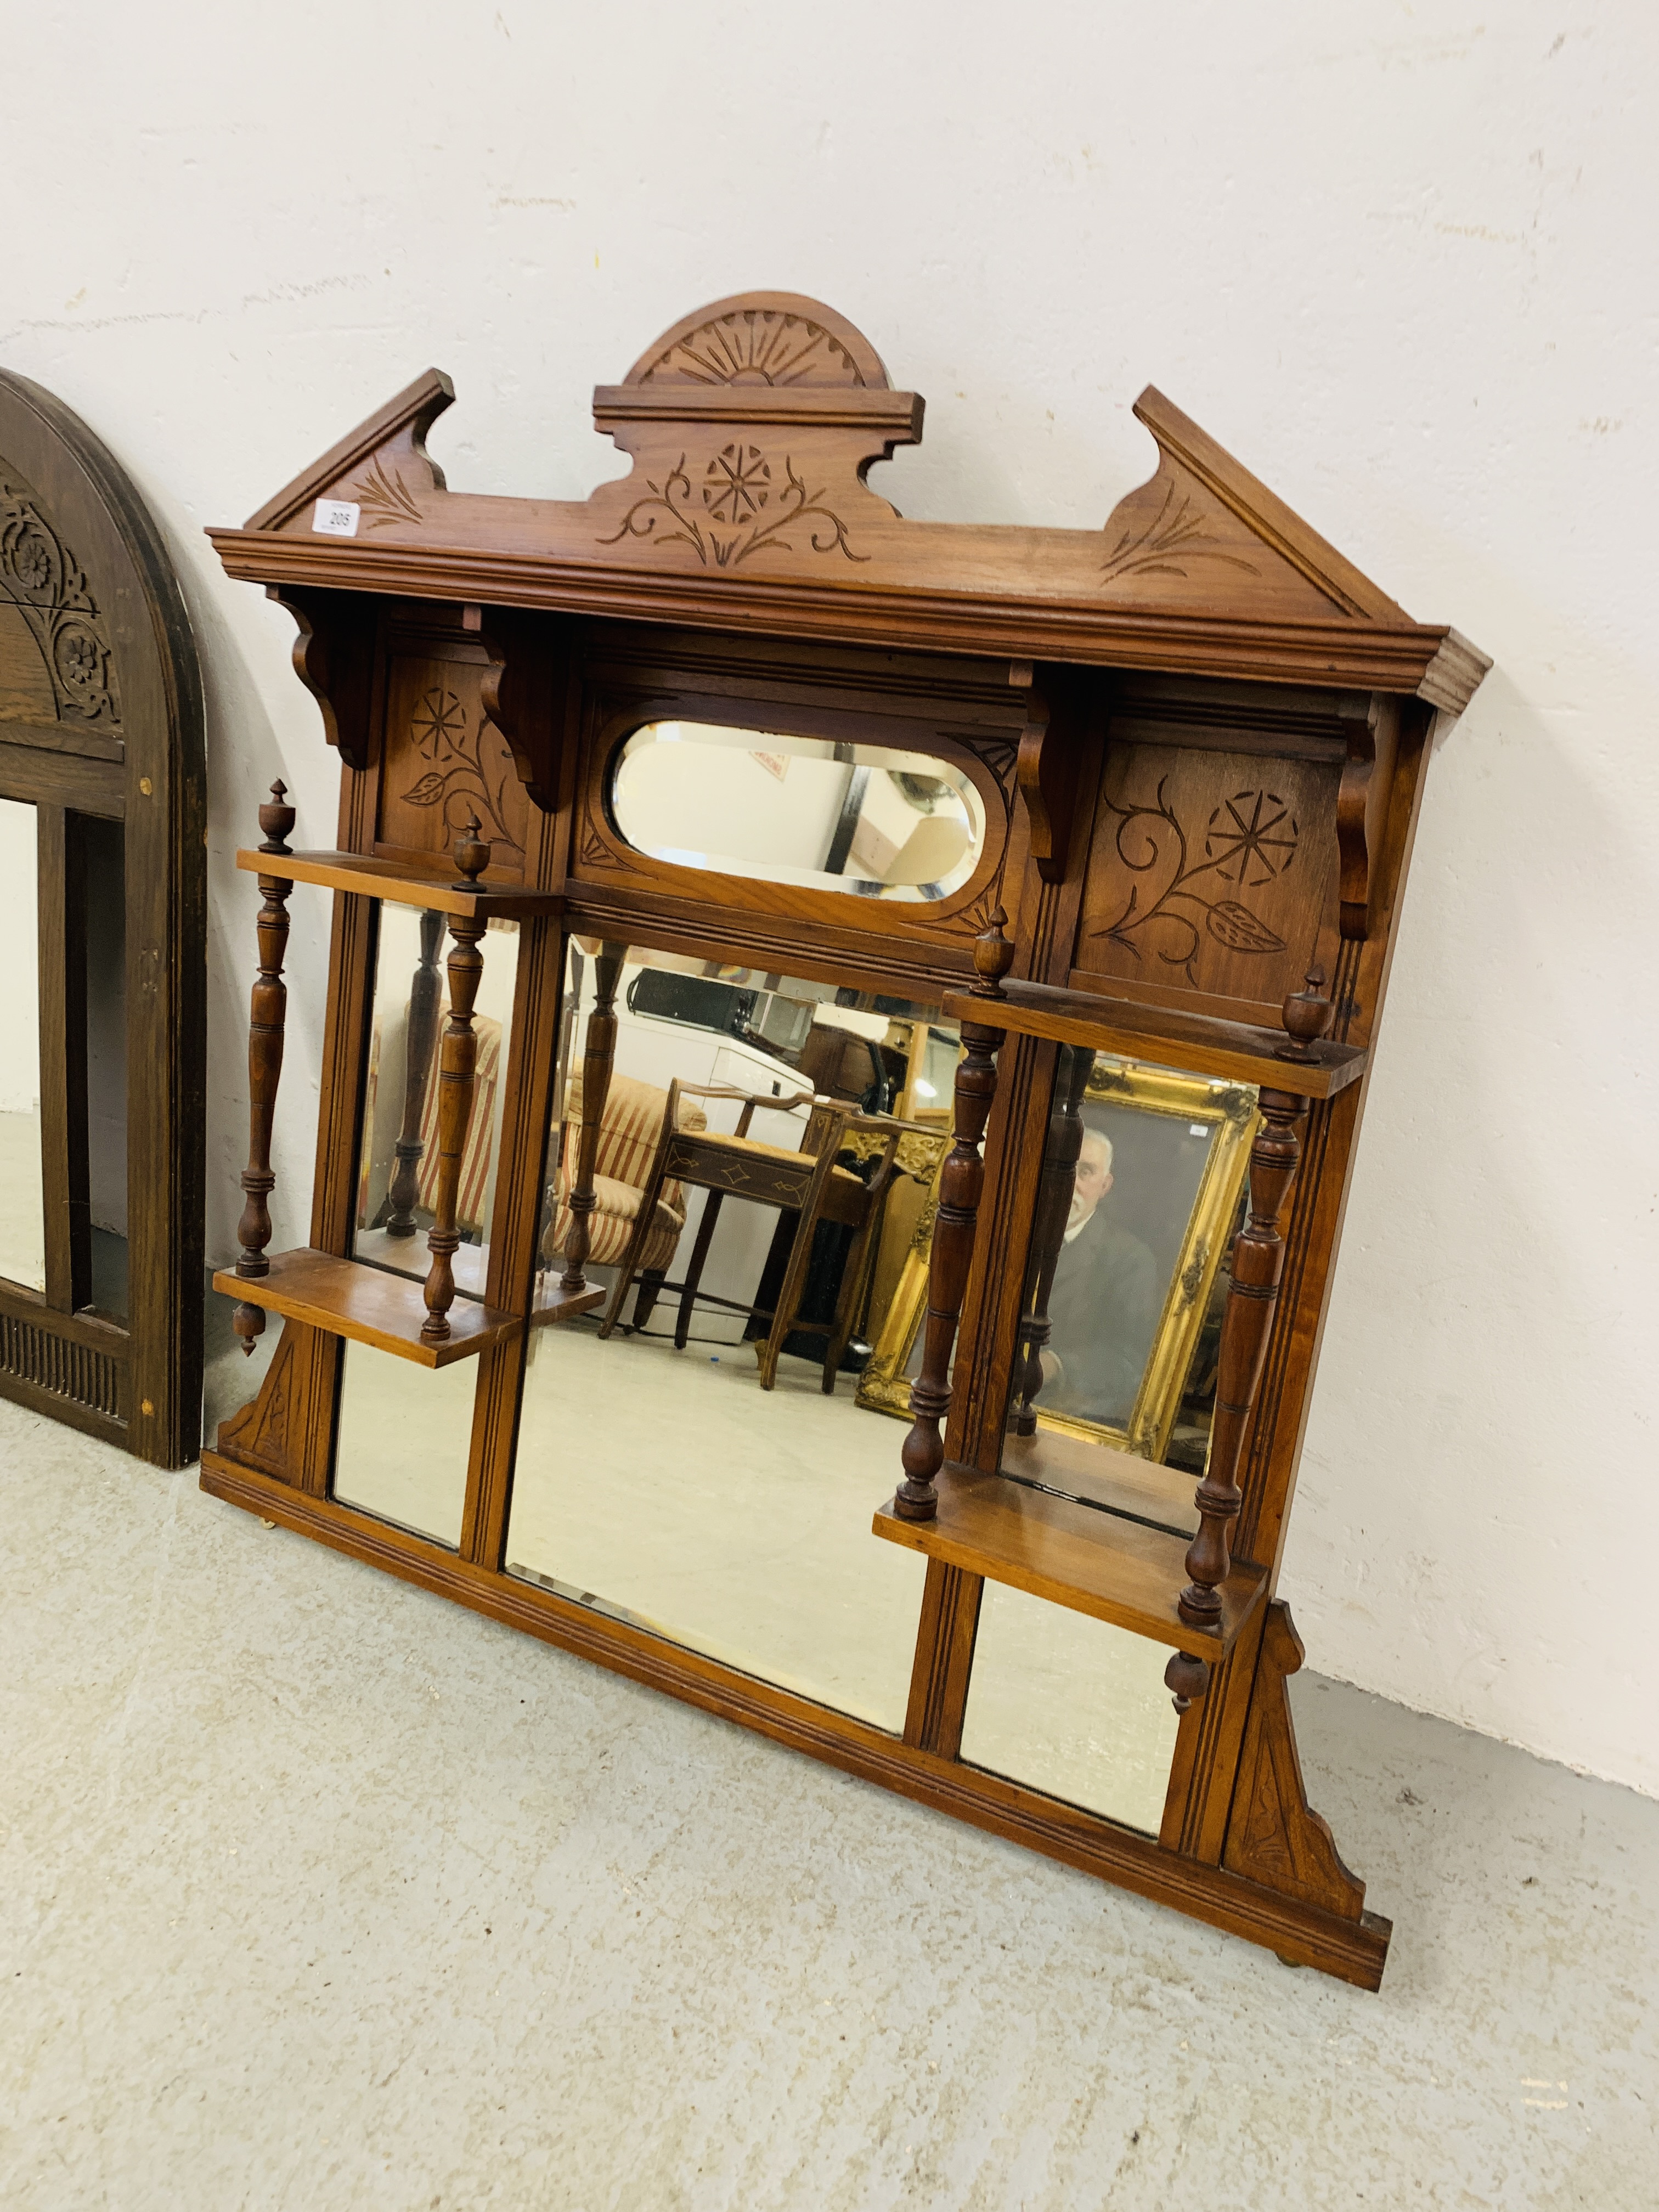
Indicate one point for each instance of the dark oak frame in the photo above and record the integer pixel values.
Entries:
(1206, 635)
(120, 740)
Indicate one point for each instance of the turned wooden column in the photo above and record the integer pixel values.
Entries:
(420, 1035)
(599, 1058)
(1054, 1193)
(1258, 1256)
(456, 1069)
(961, 1181)
(267, 1022)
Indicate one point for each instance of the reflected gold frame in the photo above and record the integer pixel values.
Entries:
(1225, 1108)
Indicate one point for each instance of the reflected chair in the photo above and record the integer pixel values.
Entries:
(630, 1132)
(808, 1182)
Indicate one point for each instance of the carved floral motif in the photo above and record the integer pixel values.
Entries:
(1251, 840)
(758, 345)
(460, 778)
(41, 575)
(737, 508)
(385, 498)
(1177, 533)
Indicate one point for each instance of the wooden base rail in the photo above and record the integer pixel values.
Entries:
(1350, 1943)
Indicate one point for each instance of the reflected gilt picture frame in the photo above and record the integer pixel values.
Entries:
(1229, 1112)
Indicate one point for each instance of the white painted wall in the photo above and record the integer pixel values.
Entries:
(1399, 257)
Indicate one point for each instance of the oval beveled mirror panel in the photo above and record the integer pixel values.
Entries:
(863, 819)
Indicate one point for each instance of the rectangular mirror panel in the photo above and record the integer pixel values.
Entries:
(402, 1440)
(22, 1209)
(696, 1455)
(398, 1163)
(1071, 1706)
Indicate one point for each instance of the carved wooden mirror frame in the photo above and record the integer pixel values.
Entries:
(100, 722)
(1127, 701)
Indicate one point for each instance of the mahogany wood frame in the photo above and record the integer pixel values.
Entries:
(1200, 736)
(101, 719)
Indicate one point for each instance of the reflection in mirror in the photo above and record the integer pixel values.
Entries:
(397, 1164)
(104, 877)
(1143, 1179)
(402, 1439)
(863, 819)
(765, 1148)
(1071, 1706)
(22, 1210)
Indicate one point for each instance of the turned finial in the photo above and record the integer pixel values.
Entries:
(276, 819)
(1307, 1015)
(994, 956)
(1187, 1678)
(471, 855)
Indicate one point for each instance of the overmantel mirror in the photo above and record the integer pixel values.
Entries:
(102, 839)
(845, 1044)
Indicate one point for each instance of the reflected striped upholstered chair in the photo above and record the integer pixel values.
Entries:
(628, 1135)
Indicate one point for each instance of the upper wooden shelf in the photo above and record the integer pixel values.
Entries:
(1073, 1555)
(1201, 1044)
(368, 1304)
(375, 877)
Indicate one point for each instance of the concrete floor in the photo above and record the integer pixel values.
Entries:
(318, 1892)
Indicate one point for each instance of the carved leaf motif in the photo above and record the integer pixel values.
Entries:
(1237, 927)
(427, 792)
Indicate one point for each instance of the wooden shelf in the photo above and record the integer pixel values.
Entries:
(1202, 1044)
(372, 877)
(368, 1304)
(1073, 1555)
(1105, 1477)
(552, 1305)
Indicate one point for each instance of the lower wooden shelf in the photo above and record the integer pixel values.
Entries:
(368, 1305)
(552, 1305)
(1073, 1555)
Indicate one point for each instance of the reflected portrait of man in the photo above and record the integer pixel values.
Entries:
(1104, 1305)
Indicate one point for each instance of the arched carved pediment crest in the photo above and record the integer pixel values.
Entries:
(777, 339)
(41, 577)
(753, 424)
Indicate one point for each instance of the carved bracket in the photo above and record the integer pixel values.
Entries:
(524, 692)
(1273, 1836)
(1361, 807)
(334, 659)
(1047, 764)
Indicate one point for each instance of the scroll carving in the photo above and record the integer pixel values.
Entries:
(41, 576)
(723, 516)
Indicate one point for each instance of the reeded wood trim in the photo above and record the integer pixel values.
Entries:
(1352, 1951)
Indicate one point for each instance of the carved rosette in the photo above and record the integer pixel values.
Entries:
(40, 575)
